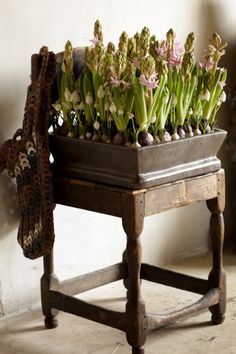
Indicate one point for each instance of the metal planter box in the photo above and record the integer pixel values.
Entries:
(136, 168)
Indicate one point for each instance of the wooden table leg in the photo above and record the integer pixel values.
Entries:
(48, 281)
(217, 277)
(125, 280)
(132, 219)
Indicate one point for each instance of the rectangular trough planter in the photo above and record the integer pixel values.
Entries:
(136, 168)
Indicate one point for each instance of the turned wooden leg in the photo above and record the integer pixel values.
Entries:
(48, 281)
(125, 280)
(217, 276)
(132, 219)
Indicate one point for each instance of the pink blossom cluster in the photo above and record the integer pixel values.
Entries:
(150, 82)
(174, 57)
(117, 83)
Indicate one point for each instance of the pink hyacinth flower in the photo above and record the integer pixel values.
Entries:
(94, 40)
(115, 82)
(209, 63)
(150, 83)
(162, 51)
(200, 65)
(126, 84)
(176, 55)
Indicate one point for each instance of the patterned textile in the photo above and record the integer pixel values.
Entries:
(26, 158)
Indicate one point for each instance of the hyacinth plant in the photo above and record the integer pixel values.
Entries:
(145, 91)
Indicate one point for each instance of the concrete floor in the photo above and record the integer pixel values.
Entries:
(24, 333)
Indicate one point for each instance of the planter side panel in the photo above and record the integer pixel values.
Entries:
(136, 168)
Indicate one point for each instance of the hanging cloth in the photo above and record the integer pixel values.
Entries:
(26, 158)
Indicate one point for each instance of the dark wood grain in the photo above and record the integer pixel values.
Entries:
(95, 279)
(174, 279)
(48, 281)
(217, 276)
(132, 206)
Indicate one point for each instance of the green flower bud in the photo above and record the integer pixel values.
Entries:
(147, 66)
(189, 44)
(173, 100)
(98, 31)
(123, 42)
(67, 65)
(111, 48)
(119, 64)
(153, 45)
(131, 48)
(170, 37)
(144, 42)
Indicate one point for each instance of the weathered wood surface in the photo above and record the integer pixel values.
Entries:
(95, 279)
(133, 211)
(181, 193)
(83, 309)
(217, 276)
(210, 299)
(87, 195)
(132, 206)
(48, 281)
(174, 279)
(106, 199)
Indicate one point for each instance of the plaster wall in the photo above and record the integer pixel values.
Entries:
(87, 241)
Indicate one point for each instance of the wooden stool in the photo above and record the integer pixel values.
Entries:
(132, 206)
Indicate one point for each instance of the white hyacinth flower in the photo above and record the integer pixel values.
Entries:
(222, 96)
(131, 115)
(57, 106)
(153, 119)
(190, 112)
(101, 92)
(67, 94)
(74, 96)
(205, 96)
(165, 99)
(112, 108)
(88, 135)
(96, 125)
(88, 98)
(81, 106)
(120, 112)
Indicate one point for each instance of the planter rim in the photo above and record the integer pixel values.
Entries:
(151, 146)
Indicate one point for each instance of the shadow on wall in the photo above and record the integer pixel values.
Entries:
(217, 16)
(9, 213)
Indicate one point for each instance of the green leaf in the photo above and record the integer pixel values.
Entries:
(140, 109)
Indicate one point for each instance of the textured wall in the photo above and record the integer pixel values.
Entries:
(86, 241)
